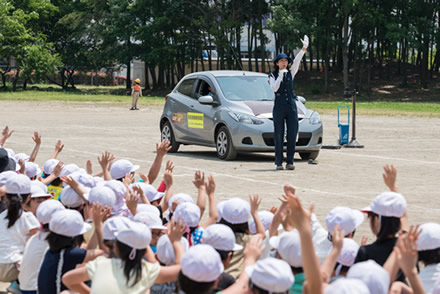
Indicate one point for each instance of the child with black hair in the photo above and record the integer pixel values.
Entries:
(428, 247)
(16, 226)
(235, 214)
(36, 247)
(128, 272)
(65, 238)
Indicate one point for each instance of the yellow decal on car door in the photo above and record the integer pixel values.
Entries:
(195, 120)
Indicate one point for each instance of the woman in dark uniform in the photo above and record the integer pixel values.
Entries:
(284, 110)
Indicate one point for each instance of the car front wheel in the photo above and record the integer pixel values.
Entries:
(223, 143)
(166, 133)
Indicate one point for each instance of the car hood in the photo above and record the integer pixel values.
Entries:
(263, 109)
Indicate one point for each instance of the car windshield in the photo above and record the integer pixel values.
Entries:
(246, 88)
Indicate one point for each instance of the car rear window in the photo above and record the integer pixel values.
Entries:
(186, 87)
(246, 88)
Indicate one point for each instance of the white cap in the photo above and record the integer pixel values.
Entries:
(83, 178)
(347, 286)
(375, 277)
(221, 237)
(122, 167)
(47, 209)
(388, 204)
(49, 165)
(42, 186)
(70, 198)
(180, 198)
(271, 274)
(150, 192)
(348, 252)
(137, 235)
(32, 169)
(148, 208)
(152, 220)
(220, 209)
(37, 191)
(288, 246)
(18, 184)
(68, 169)
(266, 218)
(22, 156)
(120, 190)
(236, 211)
(348, 219)
(429, 238)
(113, 225)
(189, 213)
(69, 223)
(165, 252)
(103, 195)
(4, 176)
(201, 263)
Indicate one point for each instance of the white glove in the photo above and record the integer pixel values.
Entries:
(305, 42)
(283, 71)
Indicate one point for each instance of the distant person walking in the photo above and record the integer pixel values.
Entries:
(285, 110)
(135, 93)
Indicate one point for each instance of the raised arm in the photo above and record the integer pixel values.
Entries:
(105, 162)
(58, 148)
(199, 183)
(213, 213)
(329, 264)
(295, 65)
(168, 179)
(255, 201)
(37, 139)
(161, 150)
(5, 135)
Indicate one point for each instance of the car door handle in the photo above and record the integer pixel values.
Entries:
(192, 106)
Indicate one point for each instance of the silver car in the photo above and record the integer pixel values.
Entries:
(232, 111)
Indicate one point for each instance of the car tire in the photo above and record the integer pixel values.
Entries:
(223, 144)
(166, 133)
(309, 155)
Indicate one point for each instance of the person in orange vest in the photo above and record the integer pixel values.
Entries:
(135, 93)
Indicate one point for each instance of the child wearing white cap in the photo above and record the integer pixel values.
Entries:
(222, 239)
(38, 196)
(235, 214)
(428, 247)
(270, 275)
(384, 214)
(375, 277)
(66, 236)
(16, 226)
(166, 256)
(128, 273)
(36, 247)
(345, 259)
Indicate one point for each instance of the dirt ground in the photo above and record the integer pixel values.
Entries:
(349, 177)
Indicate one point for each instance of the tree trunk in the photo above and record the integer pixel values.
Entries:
(263, 53)
(249, 46)
(257, 69)
(311, 55)
(153, 76)
(147, 78)
(128, 79)
(345, 49)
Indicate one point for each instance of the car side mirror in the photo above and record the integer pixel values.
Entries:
(302, 99)
(206, 100)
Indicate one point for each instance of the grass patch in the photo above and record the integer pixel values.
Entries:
(424, 109)
(89, 94)
(77, 96)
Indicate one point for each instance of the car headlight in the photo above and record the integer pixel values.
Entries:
(245, 118)
(315, 118)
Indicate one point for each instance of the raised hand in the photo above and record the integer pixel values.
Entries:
(169, 166)
(131, 200)
(176, 228)
(210, 186)
(137, 190)
(69, 181)
(22, 165)
(364, 240)
(305, 42)
(105, 159)
(338, 237)
(406, 250)
(6, 134)
(389, 177)
(255, 201)
(99, 213)
(59, 146)
(127, 180)
(163, 148)
(144, 178)
(89, 168)
(168, 178)
(199, 179)
(58, 168)
(299, 215)
(253, 248)
(36, 138)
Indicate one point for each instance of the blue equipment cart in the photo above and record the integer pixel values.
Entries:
(344, 128)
